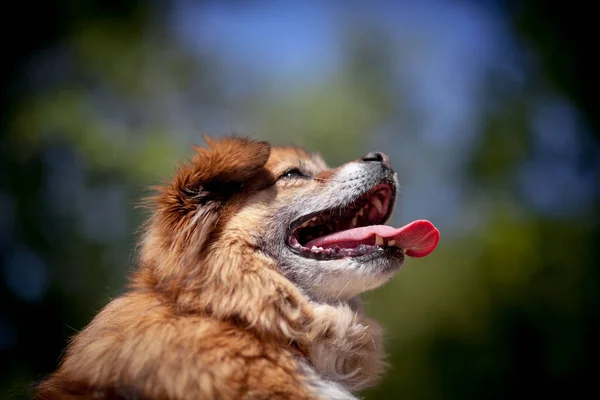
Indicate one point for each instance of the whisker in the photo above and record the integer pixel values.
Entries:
(345, 286)
(329, 180)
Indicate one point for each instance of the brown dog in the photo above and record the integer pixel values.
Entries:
(248, 281)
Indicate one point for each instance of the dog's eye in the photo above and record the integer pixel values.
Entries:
(292, 173)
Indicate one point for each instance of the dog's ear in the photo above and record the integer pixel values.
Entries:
(216, 172)
(226, 163)
(186, 210)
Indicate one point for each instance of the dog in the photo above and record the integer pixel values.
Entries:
(247, 283)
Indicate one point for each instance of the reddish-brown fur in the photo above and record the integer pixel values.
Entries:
(208, 315)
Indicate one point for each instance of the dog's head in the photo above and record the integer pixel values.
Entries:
(322, 228)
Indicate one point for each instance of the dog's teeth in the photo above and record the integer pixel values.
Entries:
(360, 212)
(313, 219)
(391, 242)
(377, 203)
(313, 248)
(354, 221)
(378, 240)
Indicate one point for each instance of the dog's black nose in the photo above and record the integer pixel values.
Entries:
(376, 156)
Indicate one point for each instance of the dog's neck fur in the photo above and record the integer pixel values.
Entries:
(238, 283)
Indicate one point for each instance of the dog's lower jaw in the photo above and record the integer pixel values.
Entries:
(334, 281)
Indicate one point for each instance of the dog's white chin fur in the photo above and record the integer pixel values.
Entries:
(341, 280)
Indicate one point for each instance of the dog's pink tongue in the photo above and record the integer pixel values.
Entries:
(418, 239)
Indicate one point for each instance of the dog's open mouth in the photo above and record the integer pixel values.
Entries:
(358, 230)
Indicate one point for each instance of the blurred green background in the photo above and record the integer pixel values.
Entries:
(487, 110)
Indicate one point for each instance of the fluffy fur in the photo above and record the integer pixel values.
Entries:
(219, 307)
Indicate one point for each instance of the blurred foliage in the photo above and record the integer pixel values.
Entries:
(103, 103)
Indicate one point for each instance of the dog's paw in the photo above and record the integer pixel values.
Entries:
(340, 326)
(349, 348)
